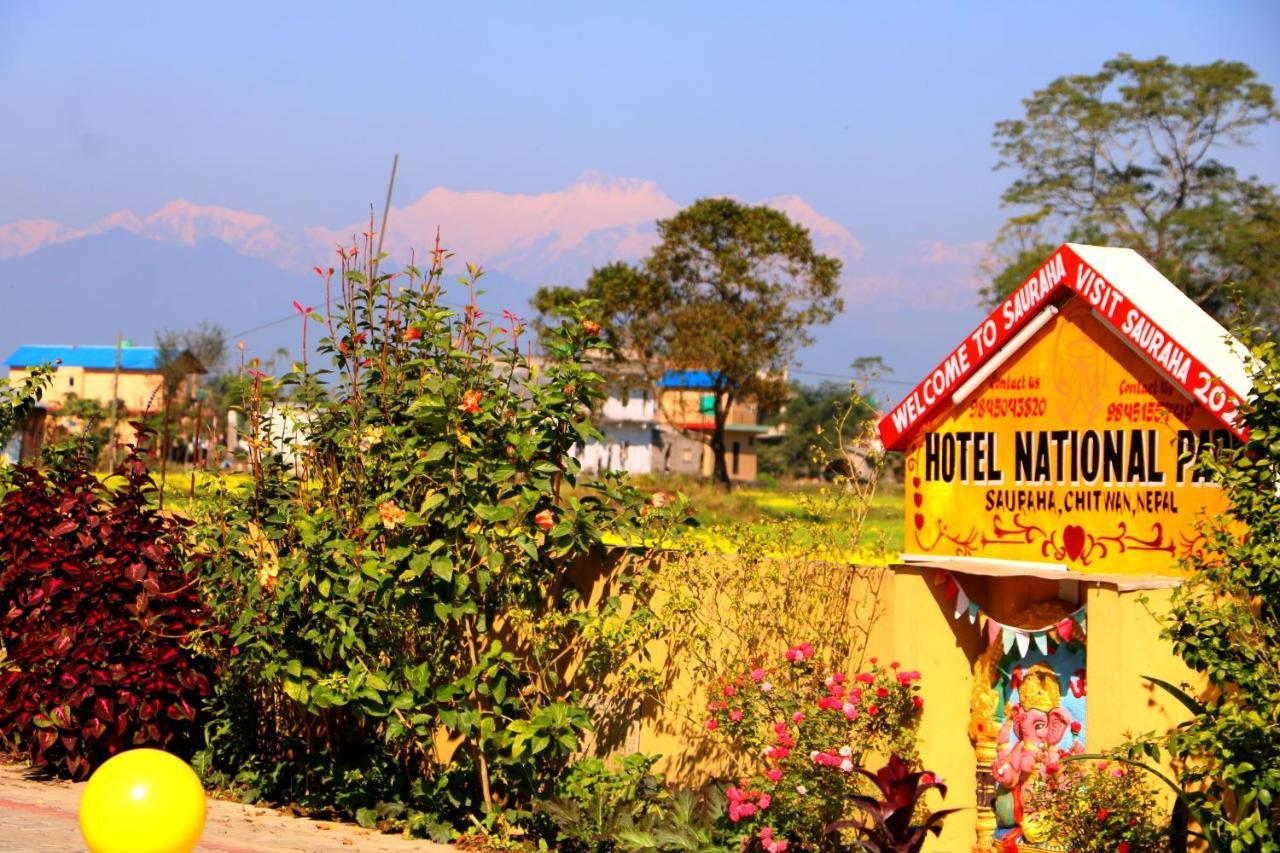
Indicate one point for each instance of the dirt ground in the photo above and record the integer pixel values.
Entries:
(36, 815)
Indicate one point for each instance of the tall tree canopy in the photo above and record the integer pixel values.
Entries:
(1129, 157)
(730, 289)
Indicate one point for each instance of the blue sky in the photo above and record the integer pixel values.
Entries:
(878, 114)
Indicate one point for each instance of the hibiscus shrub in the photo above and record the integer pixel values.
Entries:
(1098, 807)
(801, 731)
(96, 610)
(413, 625)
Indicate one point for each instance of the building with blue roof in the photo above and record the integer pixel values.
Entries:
(146, 359)
(132, 375)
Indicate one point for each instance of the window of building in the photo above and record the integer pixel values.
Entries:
(736, 450)
(71, 381)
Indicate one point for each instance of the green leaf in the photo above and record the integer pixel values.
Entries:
(494, 514)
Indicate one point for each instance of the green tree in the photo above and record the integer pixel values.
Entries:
(730, 289)
(1129, 157)
(810, 410)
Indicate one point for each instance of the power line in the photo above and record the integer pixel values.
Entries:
(263, 326)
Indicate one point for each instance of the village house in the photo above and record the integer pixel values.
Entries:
(131, 375)
(670, 434)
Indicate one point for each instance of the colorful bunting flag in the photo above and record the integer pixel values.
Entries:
(1065, 630)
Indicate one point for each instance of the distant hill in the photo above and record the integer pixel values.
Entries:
(86, 290)
(185, 263)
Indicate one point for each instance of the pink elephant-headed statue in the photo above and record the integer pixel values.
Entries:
(1039, 733)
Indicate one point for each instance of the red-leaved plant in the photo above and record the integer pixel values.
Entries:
(95, 612)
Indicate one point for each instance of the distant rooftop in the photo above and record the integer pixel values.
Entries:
(94, 357)
(692, 379)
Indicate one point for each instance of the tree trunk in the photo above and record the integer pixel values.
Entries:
(720, 469)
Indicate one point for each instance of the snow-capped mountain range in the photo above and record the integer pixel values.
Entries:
(186, 263)
(536, 239)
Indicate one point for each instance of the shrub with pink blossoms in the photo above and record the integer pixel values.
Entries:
(798, 731)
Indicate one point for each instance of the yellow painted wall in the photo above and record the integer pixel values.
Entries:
(917, 627)
(747, 462)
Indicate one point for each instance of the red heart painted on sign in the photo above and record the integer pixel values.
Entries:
(915, 482)
(919, 499)
(919, 521)
(1073, 540)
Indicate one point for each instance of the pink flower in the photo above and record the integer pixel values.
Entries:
(764, 801)
(757, 674)
(917, 701)
(865, 678)
(882, 692)
(711, 724)
(893, 665)
(846, 766)
(728, 690)
(793, 655)
(766, 687)
(735, 715)
(797, 718)
(774, 775)
(780, 728)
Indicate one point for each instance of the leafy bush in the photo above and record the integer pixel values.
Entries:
(1224, 623)
(596, 803)
(891, 825)
(410, 627)
(801, 731)
(1098, 807)
(96, 609)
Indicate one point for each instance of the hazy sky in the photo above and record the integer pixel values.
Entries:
(877, 114)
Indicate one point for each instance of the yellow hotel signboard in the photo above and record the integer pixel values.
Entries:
(1074, 447)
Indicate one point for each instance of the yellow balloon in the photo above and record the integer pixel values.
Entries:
(142, 801)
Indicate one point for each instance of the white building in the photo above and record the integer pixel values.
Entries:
(632, 441)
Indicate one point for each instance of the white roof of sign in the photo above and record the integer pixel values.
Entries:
(1162, 301)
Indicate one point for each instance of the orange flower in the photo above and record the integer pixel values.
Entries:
(471, 402)
(591, 327)
(412, 333)
(391, 514)
(544, 519)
